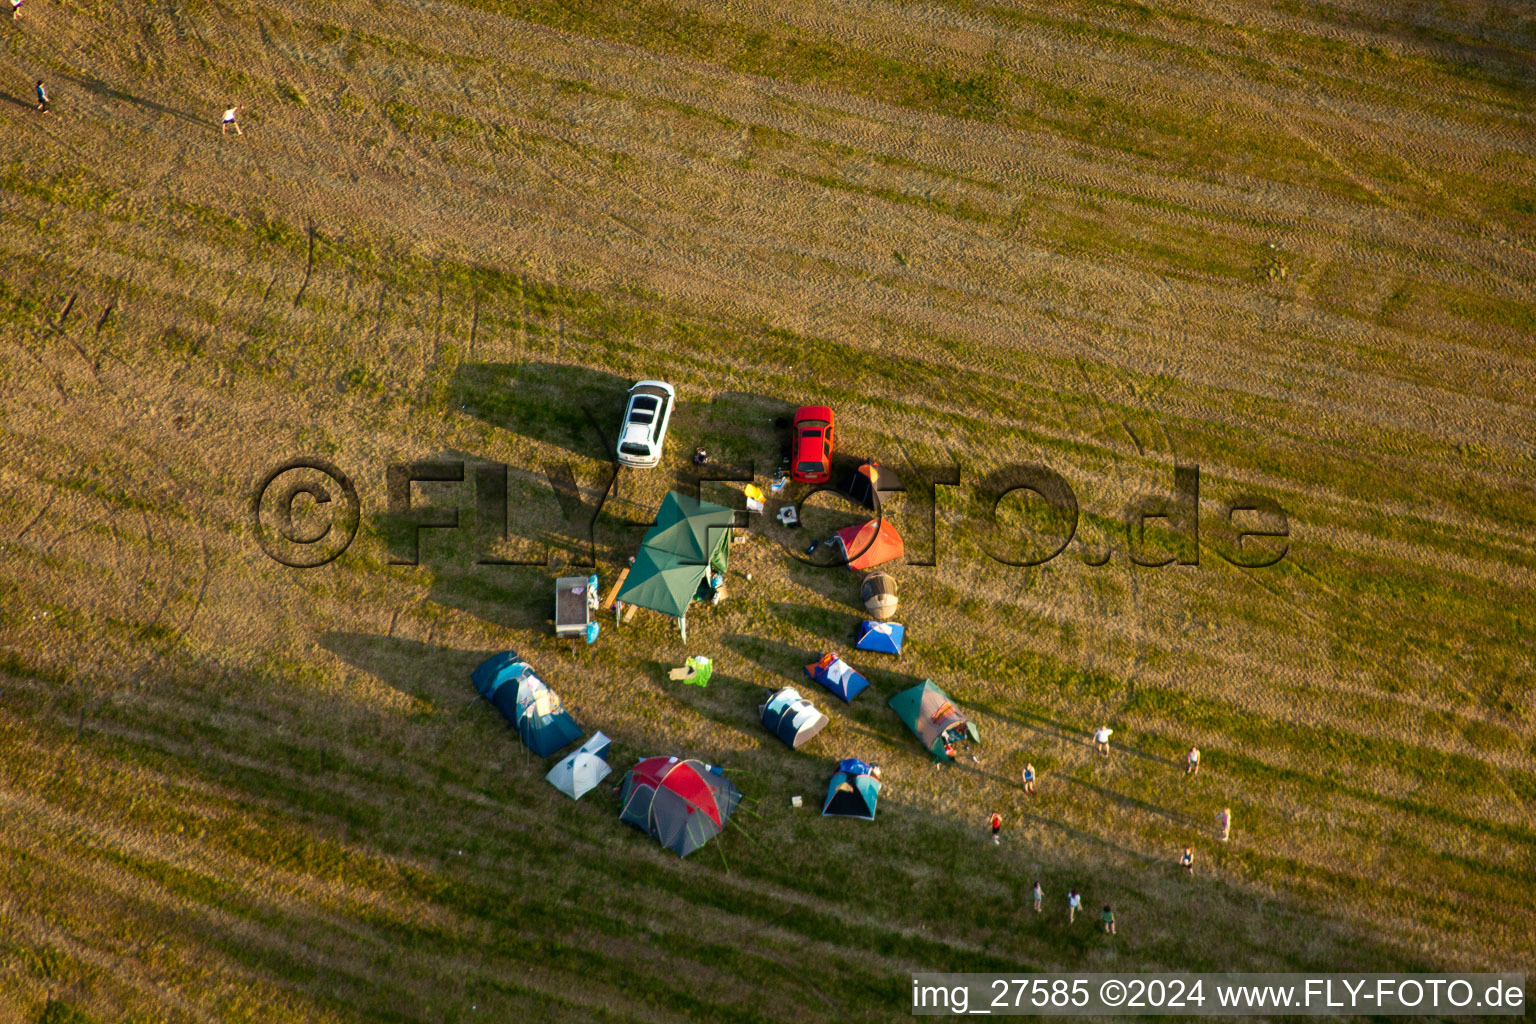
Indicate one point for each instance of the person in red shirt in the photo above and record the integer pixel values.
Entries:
(997, 826)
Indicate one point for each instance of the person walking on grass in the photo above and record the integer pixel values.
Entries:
(42, 96)
(15, 10)
(1187, 862)
(996, 822)
(1074, 904)
(1101, 737)
(1039, 895)
(1224, 823)
(1192, 762)
(1029, 779)
(231, 120)
(1108, 919)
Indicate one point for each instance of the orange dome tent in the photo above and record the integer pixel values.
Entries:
(869, 545)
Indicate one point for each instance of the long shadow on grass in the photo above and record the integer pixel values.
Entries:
(440, 677)
(526, 889)
(100, 88)
(1065, 733)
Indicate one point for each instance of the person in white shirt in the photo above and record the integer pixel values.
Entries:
(229, 120)
(1074, 904)
(1224, 823)
(1192, 761)
(1101, 737)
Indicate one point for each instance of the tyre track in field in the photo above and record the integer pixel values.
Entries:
(695, 97)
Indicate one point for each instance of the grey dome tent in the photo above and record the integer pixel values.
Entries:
(683, 804)
(792, 718)
(878, 593)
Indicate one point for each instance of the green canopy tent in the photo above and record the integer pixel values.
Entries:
(659, 582)
(933, 717)
(689, 538)
(696, 532)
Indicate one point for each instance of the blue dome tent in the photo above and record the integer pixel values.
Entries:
(522, 698)
(853, 791)
(885, 637)
(838, 676)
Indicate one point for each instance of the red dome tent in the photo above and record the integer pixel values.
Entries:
(683, 804)
(869, 545)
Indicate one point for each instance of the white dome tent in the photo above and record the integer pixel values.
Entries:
(580, 772)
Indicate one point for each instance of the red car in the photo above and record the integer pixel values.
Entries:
(811, 456)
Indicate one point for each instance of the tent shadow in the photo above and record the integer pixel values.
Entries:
(833, 629)
(509, 597)
(438, 675)
(777, 658)
(444, 524)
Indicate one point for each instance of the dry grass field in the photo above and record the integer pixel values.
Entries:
(1292, 242)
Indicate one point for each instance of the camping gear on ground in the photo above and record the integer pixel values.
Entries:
(870, 484)
(878, 592)
(755, 497)
(592, 630)
(796, 801)
(575, 599)
(885, 637)
(867, 546)
(683, 804)
(791, 717)
(578, 773)
(688, 538)
(695, 671)
(853, 791)
(837, 675)
(934, 719)
(789, 516)
(510, 683)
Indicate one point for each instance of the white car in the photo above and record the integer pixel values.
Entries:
(644, 430)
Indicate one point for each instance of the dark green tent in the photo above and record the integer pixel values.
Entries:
(933, 717)
(696, 532)
(659, 582)
(690, 537)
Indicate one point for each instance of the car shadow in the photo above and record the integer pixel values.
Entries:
(572, 407)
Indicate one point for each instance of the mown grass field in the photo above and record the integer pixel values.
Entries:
(1292, 242)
